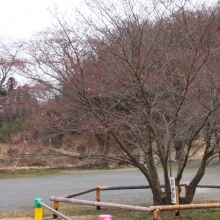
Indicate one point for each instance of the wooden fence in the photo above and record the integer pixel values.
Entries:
(155, 209)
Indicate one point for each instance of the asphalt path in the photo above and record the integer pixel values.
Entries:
(19, 193)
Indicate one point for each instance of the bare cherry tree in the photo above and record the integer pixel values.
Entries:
(144, 73)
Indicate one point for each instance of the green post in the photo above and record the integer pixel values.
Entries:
(38, 209)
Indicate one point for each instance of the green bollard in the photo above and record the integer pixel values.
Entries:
(38, 209)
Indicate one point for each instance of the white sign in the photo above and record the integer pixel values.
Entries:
(173, 189)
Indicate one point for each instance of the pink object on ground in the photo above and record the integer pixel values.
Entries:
(105, 217)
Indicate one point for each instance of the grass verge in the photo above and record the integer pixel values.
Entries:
(31, 172)
(28, 173)
(79, 212)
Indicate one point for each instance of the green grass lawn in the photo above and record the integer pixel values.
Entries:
(91, 213)
(79, 212)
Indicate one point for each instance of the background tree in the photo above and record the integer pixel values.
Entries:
(18, 107)
(9, 62)
(147, 75)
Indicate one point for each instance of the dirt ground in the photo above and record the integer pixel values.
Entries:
(37, 157)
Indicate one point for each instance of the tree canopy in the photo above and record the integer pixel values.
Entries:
(144, 74)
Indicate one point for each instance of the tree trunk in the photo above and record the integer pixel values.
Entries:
(193, 184)
(153, 179)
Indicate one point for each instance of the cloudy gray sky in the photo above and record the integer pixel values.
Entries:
(21, 18)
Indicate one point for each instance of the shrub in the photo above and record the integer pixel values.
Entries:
(7, 129)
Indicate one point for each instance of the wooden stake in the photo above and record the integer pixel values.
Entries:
(157, 214)
(177, 212)
(186, 188)
(98, 197)
(55, 206)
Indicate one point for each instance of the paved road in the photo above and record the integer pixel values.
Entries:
(17, 193)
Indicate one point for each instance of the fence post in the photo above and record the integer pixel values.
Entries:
(98, 197)
(157, 214)
(186, 188)
(55, 206)
(38, 209)
(177, 212)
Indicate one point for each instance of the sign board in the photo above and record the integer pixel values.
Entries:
(173, 189)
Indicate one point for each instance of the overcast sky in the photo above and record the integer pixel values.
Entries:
(21, 18)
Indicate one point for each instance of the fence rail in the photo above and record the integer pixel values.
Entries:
(80, 193)
(54, 211)
(187, 206)
(103, 204)
(38, 210)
